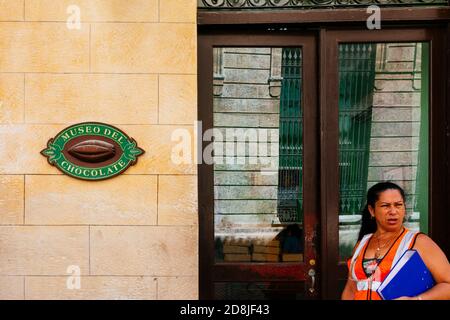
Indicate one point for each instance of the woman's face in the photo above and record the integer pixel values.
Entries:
(389, 210)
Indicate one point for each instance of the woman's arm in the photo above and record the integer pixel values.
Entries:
(349, 290)
(350, 286)
(437, 263)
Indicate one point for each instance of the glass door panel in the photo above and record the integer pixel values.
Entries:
(257, 114)
(383, 130)
(264, 170)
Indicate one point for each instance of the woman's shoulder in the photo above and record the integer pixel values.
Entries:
(423, 239)
(425, 244)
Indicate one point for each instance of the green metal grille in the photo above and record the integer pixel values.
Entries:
(290, 199)
(356, 84)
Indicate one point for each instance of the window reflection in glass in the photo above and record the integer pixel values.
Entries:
(383, 130)
(258, 152)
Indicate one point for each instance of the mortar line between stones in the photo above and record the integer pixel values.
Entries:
(157, 99)
(157, 199)
(129, 73)
(89, 250)
(24, 184)
(90, 46)
(24, 98)
(114, 22)
(100, 225)
(138, 174)
(154, 276)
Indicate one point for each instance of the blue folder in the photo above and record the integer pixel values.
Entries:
(409, 277)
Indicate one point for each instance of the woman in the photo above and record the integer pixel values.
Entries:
(382, 240)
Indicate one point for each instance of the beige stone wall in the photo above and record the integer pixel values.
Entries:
(132, 64)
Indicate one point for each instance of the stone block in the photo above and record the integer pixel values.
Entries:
(246, 105)
(392, 173)
(11, 98)
(177, 200)
(244, 178)
(253, 61)
(393, 158)
(246, 120)
(400, 129)
(62, 200)
(390, 114)
(43, 47)
(178, 11)
(394, 85)
(11, 10)
(396, 99)
(245, 192)
(11, 199)
(245, 221)
(114, 99)
(153, 251)
(245, 206)
(177, 99)
(20, 148)
(164, 147)
(39, 250)
(93, 10)
(246, 91)
(11, 288)
(144, 48)
(254, 76)
(394, 144)
(91, 288)
(178, 288)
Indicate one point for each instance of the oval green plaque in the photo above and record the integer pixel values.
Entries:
(92, 151)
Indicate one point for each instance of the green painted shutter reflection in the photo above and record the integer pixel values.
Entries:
(356, 84)
(290, 196)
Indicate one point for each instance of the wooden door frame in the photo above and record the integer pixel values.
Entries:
(322, 16)
(420, 24)
(330, 134)
(261, 271)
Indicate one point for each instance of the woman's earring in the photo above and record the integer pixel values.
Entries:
(372, 217)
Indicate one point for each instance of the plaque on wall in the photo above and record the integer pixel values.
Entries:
(92, 151)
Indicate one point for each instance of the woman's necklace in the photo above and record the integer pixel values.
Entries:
(379, 246)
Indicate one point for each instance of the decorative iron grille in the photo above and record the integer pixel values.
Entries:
(290, 4)
(290, 202)
(356, 85)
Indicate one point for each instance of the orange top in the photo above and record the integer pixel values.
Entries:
(368, 284)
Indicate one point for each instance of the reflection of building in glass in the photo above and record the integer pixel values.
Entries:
(258, 89)
(381, 124)
(398, 132)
